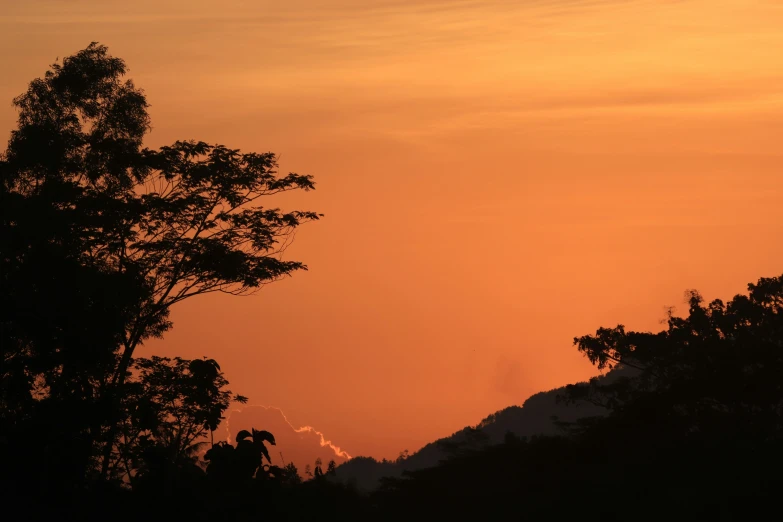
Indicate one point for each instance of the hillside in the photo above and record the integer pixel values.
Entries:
(536, 416)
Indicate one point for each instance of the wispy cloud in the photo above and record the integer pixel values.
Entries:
(268, 13)
(301, 445)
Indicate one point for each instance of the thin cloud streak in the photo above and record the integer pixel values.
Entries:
(339, 452)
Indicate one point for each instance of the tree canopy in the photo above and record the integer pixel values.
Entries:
(102, 235)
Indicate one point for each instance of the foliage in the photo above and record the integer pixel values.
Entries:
(713, 371)
(230, 464)
(101, 236)
(170, 407)
(693, 430)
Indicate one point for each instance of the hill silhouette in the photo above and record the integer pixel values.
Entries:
(541, 414)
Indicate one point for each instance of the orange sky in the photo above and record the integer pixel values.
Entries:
(497, 176)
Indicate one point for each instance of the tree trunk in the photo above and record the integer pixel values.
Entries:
(114, 398)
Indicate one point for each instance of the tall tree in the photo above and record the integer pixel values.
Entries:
(146, 228)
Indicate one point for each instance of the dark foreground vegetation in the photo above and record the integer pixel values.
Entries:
(101, 236)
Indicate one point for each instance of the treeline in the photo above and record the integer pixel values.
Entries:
(692, 432)
(102, 236)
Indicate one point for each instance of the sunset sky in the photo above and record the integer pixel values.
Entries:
(497, 177)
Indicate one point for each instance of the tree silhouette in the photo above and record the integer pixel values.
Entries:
(317, 471)
(692, 430)
(291, 476)
(712, 372)
(229, 464)
(169, 408)
(135, 230)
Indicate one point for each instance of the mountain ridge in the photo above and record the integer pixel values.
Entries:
(536, 416)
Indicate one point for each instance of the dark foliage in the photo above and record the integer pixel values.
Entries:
(693, 432)
(100, 237)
